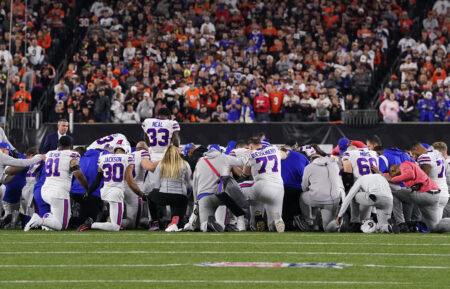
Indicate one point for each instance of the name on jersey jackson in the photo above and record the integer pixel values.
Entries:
(263, 153)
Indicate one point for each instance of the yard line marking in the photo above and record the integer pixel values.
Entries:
(223, 252)
(403, 267)
(235, 234)
(178, 265)
(204, 281)
(225, 242)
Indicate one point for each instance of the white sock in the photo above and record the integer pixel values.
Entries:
(107, 226)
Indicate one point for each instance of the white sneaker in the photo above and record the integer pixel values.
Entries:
(34, 222)
(45, 228)
(279, 223)
(188, 227)
(172, 228)
(241, 224)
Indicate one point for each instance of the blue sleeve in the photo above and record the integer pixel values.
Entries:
(382, 165)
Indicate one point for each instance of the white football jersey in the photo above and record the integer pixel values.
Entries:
(138, 170)
(265, 164)
(437, 163)
(110, 141)
(241, 153)
(114, 167)
(32, 172)
(57, 172)
(159, 132)
(362, 160)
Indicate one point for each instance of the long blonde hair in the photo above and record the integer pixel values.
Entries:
(172, 163)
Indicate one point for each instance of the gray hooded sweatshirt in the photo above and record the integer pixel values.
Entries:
(205, 180)
(321, 177)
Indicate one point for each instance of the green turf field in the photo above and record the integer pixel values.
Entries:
(139, 259)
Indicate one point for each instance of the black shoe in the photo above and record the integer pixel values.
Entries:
(404, 228)
(301, 224)
(355, 228)
(259, 220)
(6, 220)
(86, 225)
(213, 226)
(231, 228)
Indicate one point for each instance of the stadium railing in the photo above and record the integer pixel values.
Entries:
(362, 117)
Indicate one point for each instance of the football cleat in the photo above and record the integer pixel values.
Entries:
(86, 225)
(279, 223)
(6, 220)
(260, 224)
(213, 226)
(344, 227)
(241, 224)
(301, 224)
(34, 222)
(155, 226)
(173, 226)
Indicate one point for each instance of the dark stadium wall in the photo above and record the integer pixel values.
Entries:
(401, 135)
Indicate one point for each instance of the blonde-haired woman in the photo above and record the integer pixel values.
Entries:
(172, 178)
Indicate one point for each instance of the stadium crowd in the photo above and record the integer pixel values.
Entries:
(247, 185)
(420, 90)
(230, 61)
(29, 41)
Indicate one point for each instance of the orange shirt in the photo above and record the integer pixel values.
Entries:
(22, 100)
(46, 42)
(272, 31)
(276, 101)
(192, 97)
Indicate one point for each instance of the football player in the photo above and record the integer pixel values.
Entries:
(59, 167)
(442, 148)
(264, 164)
(114, 170)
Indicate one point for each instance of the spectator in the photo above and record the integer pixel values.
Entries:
(276, 103)
(307, 108)
(203, 115)
(261, 104)
(145, 106)
(22, 99)
(427, 107)
(408, 69)
(390, 109)
(102, 106)
(86, 116)
(219, 115)
(247, 115)
(442, 107)
(323, 106)
(291, 104)
(61, 87)
(430, 23)
(233, 107)
(130, 116)
(335, 110)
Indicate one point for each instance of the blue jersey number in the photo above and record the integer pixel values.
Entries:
(158, 137)
(52, 167)
(265, 160)
(113, 172)
(364, 165)
(105, 139)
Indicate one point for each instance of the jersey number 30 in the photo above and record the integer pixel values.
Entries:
(113, 172)
(158, 137)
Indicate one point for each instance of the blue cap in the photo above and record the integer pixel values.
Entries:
(187, 148)
(5, 145)
(265, 143)
(343, 144)
(427, 146)
(214, 146)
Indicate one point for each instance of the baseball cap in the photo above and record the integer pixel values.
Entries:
(425, 145)
(214, 146)
(146, 94)
(343, 144)
(187, 148)
(22, 84)
(265, 143)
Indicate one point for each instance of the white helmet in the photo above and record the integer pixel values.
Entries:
(369, 226)
(124, 147)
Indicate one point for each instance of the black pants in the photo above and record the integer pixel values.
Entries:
(177, 203)
(89, 207)
(291, 206)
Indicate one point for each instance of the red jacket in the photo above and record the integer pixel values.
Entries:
(261, 104)
(412, 174)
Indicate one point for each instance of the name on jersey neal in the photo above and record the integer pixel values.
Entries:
(157, 124)
(263, 153)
